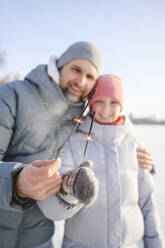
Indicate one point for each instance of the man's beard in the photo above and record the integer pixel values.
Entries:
(70, 97)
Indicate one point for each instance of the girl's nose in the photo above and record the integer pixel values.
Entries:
(106, 109)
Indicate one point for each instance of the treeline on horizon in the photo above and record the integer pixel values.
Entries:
(145, 120)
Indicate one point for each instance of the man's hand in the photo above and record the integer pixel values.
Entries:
(39, 179)
(144, 159)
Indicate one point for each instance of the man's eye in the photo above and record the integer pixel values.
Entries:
(76, 70)
(90, 77)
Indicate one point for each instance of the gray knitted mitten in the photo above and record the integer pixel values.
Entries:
(79, 185)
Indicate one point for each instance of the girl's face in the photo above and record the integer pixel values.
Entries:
(107, 110)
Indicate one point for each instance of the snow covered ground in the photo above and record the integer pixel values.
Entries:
(154, 139)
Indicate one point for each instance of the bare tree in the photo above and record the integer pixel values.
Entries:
(7, 77)
(2, 58)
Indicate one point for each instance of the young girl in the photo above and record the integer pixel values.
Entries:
(125, 213)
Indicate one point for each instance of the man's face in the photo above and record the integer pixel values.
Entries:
(77, 78)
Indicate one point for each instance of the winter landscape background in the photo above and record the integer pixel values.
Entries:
(154, 139)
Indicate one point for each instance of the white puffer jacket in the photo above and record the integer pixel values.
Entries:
(125, 213)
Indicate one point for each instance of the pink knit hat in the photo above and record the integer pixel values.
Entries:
(108, 86)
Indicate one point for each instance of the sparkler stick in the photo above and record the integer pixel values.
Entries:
(73, 131)
(78, 122)
(94, 91)
(89, 133)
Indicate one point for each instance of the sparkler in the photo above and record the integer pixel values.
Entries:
(78, 121)
(90, 98)
(89, 133)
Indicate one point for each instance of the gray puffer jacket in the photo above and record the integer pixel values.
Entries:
(35, 120)
(125, 214)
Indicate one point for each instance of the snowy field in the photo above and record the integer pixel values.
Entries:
(154, 139)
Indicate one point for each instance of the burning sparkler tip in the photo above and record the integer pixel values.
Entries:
(79, 120)
(89, 137)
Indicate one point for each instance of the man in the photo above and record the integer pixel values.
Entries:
(35, 121)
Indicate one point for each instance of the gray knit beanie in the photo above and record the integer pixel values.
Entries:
(84, 50)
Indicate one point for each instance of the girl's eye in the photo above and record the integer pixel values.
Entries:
(98, 102)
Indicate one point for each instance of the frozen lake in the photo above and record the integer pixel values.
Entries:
(154, 139)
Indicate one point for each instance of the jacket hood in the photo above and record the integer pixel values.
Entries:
(39, 77)
(107, 134)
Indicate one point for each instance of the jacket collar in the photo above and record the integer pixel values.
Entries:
(107, 134)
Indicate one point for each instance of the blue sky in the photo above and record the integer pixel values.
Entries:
(129, 33)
